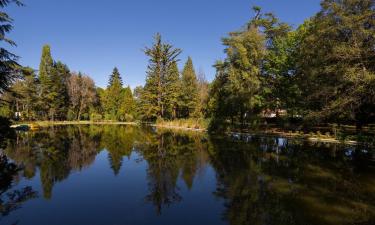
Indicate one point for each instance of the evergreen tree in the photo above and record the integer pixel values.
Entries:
(203, 87)
(189, 98)
(172, 91)
(53, 90)
(244, 80)
(127, 108)
(98, 109)
(115, 78)
(29, 94)
(113, 94)
(59, 106)
(242, 76)
(162, 56)
(8, 61)
(45, 71)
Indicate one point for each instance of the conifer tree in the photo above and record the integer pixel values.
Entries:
(60, 76)
(8, 60)
(29, 94)
(172, 91)
(45, 71)
(236, 92)
(127, 108)
(21, 96)
(189, 95)
(203, 87)
(113, 94)
(162, 55)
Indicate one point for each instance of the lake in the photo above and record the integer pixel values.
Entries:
(117, 174)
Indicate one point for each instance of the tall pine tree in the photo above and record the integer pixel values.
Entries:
(172, 91)
(113, 95)
(60, 76)
(189, 98)
(53, 92)
(45, 71)
(153, 97)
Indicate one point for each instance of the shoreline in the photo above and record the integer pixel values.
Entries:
(49, 123)
(306, 137)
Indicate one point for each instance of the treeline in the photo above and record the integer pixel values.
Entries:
(56, 93)
(322, 72)
(169, 94)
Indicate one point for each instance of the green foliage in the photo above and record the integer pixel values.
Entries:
(127, 107)
(189, 95)
(113, 96)
(45, 71)
(59, 91)
(337, 72)
(281, 85)
(53, 78)
(153, 100)
(236, 92)
(117, 102)
(321, 72)
(172, 91)
(8, 60)
(22, 96)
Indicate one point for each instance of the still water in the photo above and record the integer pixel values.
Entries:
(127, 175)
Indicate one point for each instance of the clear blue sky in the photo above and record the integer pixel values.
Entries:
(93, 36)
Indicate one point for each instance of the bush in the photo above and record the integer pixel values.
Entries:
(71, 115)
(96, 117)
(129, 118)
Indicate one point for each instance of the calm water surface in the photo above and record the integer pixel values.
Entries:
(115, 175)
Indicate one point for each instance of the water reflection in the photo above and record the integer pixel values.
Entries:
(169, 156)
(292, 183)
(11, 197)
(259, 180)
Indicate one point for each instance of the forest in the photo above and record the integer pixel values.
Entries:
(321, 72)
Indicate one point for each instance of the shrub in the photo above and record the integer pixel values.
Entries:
(96, 117)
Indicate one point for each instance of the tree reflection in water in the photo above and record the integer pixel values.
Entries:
(262, 180)
(266, 182)
(170, 155)
(11, 198)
